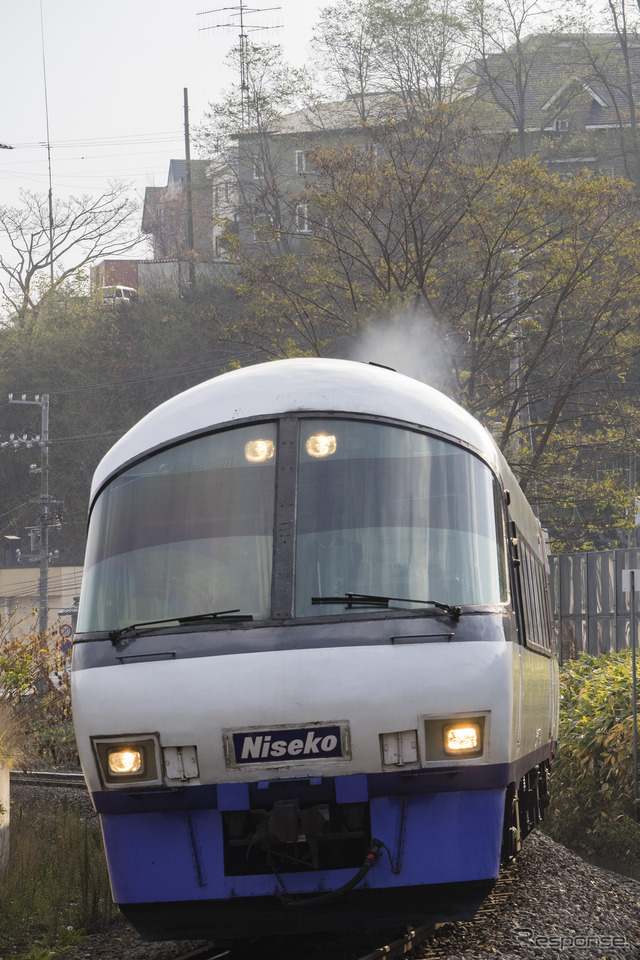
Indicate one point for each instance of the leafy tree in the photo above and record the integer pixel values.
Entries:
(532, 285)
(529, 286)
(36, 702)
(104, 367)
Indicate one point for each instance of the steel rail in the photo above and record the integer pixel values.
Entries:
(405, 944)
(208, 952)
(48, 778)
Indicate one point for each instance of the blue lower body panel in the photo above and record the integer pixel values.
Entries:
(430, 839)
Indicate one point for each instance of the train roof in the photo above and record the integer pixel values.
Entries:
(300, 385)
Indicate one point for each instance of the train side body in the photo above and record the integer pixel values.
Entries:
(313, 683)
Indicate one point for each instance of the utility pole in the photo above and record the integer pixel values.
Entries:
(190, 236)
(44, 520)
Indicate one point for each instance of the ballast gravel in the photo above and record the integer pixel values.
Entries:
(549, 904)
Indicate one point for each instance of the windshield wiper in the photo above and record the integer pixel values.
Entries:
(226, 616)
(351, 600)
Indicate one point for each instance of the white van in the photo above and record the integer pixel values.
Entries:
(119, 294)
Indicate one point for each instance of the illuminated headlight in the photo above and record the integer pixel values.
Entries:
(450, 739)
(123, 761)
(321, 445)
(258, 451)
(462, 738)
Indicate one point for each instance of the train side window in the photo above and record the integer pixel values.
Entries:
(534, 598)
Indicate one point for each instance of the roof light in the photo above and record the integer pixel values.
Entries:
(321, 445)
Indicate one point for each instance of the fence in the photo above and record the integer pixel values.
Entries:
(590, 611)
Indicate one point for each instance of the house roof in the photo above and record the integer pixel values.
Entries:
(559, 71)
(344, 114)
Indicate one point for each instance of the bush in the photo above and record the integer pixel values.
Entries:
(11, 737)
(35, 697)
(593, 785)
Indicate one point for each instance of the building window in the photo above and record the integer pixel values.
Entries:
(302, 218)
(301, 162)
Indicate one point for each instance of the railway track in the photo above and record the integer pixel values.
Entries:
(210, 952)
(48, 778)
(403, 945)
(398, 947)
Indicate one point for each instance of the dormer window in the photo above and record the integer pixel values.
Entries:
(561, 125)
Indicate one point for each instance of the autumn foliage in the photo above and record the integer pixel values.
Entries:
(35, 702)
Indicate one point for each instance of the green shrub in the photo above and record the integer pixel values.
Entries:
(36, 701)
(592, 787)
(11, 737)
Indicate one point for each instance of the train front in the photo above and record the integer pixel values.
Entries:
(292, 682)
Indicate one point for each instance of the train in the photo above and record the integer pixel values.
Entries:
(314, 678)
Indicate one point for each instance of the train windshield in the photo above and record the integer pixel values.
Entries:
(391, 512)
(186, 532)
(379, 510)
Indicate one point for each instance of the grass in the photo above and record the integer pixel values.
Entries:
(57, 887)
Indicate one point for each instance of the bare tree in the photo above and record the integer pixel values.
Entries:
(610, 42)
(345, 44)
(410, 50)
(39, 252)
(506, 47)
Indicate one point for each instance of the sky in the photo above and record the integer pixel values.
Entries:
(115, 79)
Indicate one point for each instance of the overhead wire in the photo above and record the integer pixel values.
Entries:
(164, 136)
(141, 378)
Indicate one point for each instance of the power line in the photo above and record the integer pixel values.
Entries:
(142, 378)
(122, 140)
(67, 584)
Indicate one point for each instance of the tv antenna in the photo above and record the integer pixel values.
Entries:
(236, 18)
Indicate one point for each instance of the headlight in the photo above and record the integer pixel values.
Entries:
(124, 761)
(462, 738)
(450, 739)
